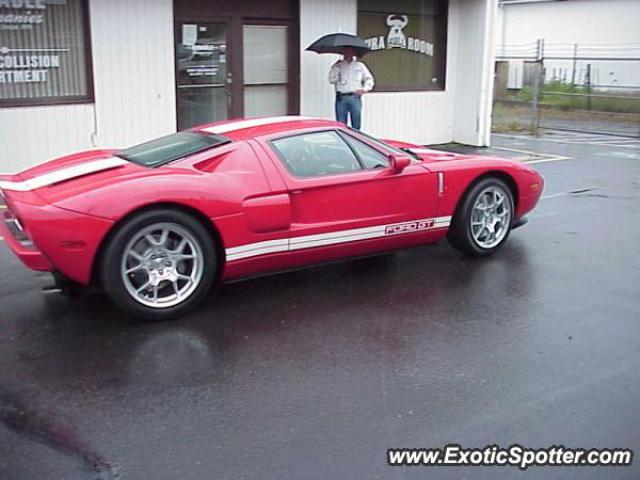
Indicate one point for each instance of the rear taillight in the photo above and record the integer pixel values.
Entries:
(13, 224)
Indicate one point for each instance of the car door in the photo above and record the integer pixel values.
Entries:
(343, 194)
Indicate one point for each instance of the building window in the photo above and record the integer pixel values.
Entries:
(44, 53)
(408, 39)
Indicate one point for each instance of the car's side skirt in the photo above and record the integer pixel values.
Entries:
(333, 238)
(304, 258)
(304, 266)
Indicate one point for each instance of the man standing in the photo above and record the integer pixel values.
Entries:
(351, 79)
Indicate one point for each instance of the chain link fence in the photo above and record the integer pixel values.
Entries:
(582, 88)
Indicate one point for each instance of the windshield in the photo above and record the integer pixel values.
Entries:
(171, 147)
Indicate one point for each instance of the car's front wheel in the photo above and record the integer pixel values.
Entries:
(159, 264)
(482, 221)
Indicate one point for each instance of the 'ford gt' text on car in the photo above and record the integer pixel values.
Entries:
(157, 224)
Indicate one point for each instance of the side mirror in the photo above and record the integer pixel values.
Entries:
(399, 162)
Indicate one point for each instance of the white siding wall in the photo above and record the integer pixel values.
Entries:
(318, 18)
(133, 49)
(456, 114)
(34, 134)
(474, 87)
(132, 45)
(417, 117)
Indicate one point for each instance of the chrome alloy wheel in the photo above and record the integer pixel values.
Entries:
(490, 217)
(162, 265)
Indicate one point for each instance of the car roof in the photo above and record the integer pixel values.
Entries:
(247, 128)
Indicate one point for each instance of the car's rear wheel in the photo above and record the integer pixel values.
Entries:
(482, 221)
(159, 264)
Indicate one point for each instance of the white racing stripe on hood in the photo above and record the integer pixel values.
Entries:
(254, 122)
(432, 151)
(63, 174)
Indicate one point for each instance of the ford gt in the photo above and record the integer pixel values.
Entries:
(156, 225)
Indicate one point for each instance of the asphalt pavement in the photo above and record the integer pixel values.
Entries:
(314, 374)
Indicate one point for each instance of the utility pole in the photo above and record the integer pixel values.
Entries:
(575, 61)
(537, 80)
(588, 82)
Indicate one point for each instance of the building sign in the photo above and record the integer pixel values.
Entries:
(43, 52)
(407, 39)
(202, 54)
(25, 13)
(206, 60)
(396, 38)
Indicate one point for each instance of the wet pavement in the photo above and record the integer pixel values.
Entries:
(314, 374)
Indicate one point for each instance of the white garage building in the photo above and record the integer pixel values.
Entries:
(83, 74)
(603, 33)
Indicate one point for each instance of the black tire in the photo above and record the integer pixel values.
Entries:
(460, 233)
(111, 264)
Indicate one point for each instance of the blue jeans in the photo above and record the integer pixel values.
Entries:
(349, 105)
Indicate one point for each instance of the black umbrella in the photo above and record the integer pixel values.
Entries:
(337, 42)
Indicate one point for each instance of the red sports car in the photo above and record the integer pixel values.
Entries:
(157, 224)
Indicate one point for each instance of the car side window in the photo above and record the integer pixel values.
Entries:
(369, 156)
(316, 154)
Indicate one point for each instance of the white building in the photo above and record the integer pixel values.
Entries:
(591, 30)
(83, 74)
